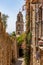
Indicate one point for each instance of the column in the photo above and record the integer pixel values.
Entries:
(33, 36)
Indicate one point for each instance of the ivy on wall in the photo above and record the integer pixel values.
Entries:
(27, 54)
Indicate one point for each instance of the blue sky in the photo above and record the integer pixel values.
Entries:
(11, 8)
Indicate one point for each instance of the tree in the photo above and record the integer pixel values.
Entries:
(13, 33)
(21, 38)
(4, 19)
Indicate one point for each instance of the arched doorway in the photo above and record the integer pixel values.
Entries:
(21, 52)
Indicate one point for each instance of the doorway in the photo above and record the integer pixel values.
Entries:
(21, 52)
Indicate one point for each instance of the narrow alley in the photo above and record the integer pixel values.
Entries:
(20, 61)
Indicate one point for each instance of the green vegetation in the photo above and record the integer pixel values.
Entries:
(27, 53)
(21, 38)
(28, 49)
(13, 33)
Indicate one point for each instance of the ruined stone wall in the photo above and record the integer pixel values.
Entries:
(5, 46)
(14, 49)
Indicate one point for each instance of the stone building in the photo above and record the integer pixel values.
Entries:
(5, 46)
(36, 26)
(14, 49)
(19, 24)
(19, 31)
(8, 53)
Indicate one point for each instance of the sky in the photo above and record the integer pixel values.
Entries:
(11, 8)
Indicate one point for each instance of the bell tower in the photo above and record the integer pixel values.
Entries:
(19, 24)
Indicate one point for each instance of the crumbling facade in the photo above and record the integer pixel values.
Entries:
(36, 26)
(5, 46)
(8, 47)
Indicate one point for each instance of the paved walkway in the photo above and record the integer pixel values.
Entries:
(20, 61)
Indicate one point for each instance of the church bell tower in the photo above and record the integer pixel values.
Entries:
(19, 24)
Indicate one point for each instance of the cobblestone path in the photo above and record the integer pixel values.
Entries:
(20, 61)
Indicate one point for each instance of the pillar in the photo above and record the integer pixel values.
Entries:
(33, 36)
